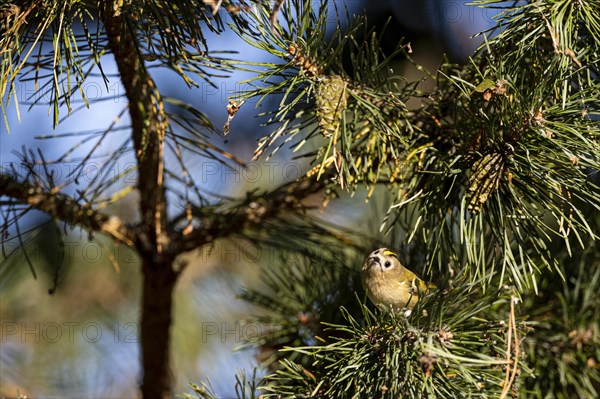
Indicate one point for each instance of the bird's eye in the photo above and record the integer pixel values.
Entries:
(387, 264)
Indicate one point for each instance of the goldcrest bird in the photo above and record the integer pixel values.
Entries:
(389, 284)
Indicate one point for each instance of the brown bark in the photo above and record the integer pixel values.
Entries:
(148, 133)
(66, 209)
(157, 297)
(148, 128)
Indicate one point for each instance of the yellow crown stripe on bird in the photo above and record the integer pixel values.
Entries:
(387, 252)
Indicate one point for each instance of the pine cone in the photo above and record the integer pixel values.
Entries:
(485, 176)
(331, 101)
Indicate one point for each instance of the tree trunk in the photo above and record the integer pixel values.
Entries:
(148, 133)
(157, 298)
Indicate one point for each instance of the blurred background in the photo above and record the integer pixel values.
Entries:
(81, 342)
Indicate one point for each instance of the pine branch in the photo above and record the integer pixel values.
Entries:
(563, 345)
(359, 123)
(66, 209)
(457, 341)
(253, 212)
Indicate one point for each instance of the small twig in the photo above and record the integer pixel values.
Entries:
(273, 18)
(512, 330)
(553, 35)
(571, 54)
(562, 217)
(216, 7)
(508, 353)
(232, 109)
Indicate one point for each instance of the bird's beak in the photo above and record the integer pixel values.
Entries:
(372, 261)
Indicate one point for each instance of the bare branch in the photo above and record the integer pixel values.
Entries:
(66, 209)
(253, 212)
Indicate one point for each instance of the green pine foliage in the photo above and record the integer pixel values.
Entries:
(362, 144)
(495, 179)
(564, 321)
(329, 343)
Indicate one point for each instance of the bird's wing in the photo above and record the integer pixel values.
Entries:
(415, 282)
(423, 286)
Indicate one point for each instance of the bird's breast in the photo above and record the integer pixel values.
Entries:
(389, 292)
